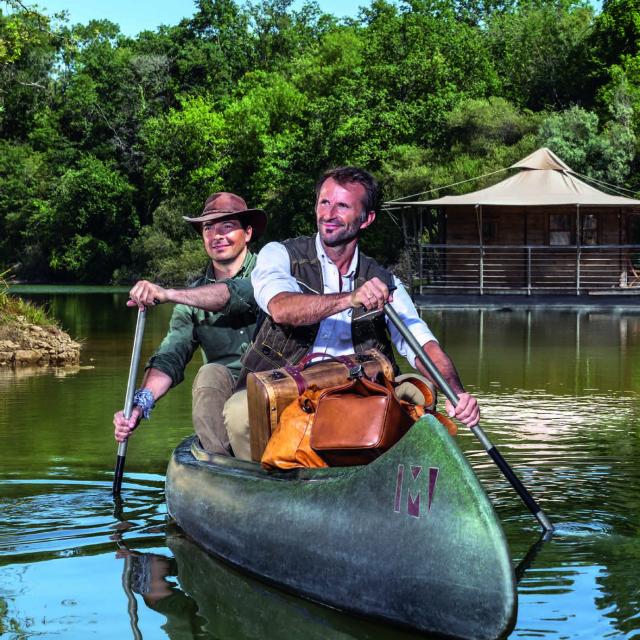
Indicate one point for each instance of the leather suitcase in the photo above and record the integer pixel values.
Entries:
(269, 392)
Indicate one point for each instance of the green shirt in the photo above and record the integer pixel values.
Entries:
(223, 336)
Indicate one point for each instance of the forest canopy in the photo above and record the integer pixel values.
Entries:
(107, 140)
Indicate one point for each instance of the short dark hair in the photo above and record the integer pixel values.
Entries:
(346, 175)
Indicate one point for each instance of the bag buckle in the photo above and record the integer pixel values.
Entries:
(356, 372)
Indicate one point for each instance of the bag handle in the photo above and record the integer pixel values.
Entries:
(307, 360)
(296, 371)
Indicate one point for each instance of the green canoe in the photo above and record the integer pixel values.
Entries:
(410, 538)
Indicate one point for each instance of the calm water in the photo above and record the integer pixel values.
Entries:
(559, 394)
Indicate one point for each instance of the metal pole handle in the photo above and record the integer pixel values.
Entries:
(128, 402)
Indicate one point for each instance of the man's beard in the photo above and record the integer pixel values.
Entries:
(340, 236)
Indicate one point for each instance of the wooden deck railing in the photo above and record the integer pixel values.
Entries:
(526, 269)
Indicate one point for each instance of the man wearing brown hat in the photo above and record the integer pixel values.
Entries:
(223, 332)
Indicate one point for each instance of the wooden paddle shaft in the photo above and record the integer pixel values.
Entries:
(496, 456)
(128, 401)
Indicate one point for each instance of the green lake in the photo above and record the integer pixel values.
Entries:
(559, 393)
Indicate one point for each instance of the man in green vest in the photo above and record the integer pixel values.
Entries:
(322, 294)
(222, 331)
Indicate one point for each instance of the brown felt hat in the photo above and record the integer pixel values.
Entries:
(224, 205)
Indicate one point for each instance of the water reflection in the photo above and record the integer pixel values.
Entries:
(46, 519)
(202, 597)
(567, 352)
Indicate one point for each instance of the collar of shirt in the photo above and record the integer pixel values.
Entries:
(247, 264)
(330, 274)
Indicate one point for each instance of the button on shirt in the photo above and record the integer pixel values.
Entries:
(272, 275)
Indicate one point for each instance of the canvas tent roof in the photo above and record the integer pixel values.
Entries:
(543, 180)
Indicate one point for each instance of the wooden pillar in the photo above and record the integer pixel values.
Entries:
(578, 248)
(479, 219)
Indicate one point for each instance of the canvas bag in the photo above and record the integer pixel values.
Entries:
(289, 446)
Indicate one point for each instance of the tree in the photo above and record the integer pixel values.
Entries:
(24, 190)
(616, 33)
(89, 225)
(540, 52)
(185, 152)
(28, 50)
(615, 62)
(575, 136)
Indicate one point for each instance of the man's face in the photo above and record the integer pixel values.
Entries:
(225, 240)
(340, 212)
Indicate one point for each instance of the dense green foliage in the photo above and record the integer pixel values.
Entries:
(106, 141)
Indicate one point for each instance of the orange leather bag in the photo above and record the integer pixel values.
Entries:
(289, 445)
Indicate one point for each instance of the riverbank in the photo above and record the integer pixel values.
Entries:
(30, 337)
(25, 344)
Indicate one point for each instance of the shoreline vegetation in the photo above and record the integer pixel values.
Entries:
(107, 141)
(30, 337)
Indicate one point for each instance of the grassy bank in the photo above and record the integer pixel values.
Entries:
(15, 311)
(29, 336)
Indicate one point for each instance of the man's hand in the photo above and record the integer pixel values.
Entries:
(124, 427)
(371, 295)
(146, 294)
(467, 410)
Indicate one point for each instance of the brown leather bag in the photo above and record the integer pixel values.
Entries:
(377, 419)
(289, 445)
(270, 392)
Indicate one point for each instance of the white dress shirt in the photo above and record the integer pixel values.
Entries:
(272, 275)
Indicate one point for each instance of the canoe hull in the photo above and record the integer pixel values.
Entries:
(410, 538)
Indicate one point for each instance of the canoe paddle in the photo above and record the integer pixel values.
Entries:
(496, 456)
(128, 402)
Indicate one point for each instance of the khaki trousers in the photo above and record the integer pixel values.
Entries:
(219, 414)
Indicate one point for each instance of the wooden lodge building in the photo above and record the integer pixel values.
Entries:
(542, 230)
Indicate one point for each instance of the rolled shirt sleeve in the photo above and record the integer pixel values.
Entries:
(272, 275)
(241, 298)
(407, 311)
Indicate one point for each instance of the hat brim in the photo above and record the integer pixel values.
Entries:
(257, 218)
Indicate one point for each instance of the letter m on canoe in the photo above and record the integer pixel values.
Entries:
(414, 484)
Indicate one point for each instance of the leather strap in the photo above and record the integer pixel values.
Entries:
(298, 378)
(296, 371)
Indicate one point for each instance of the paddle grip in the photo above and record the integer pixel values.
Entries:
(118, 474)
(527, 498)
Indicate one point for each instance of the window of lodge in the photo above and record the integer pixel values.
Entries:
(590, 229)
(560, 229)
